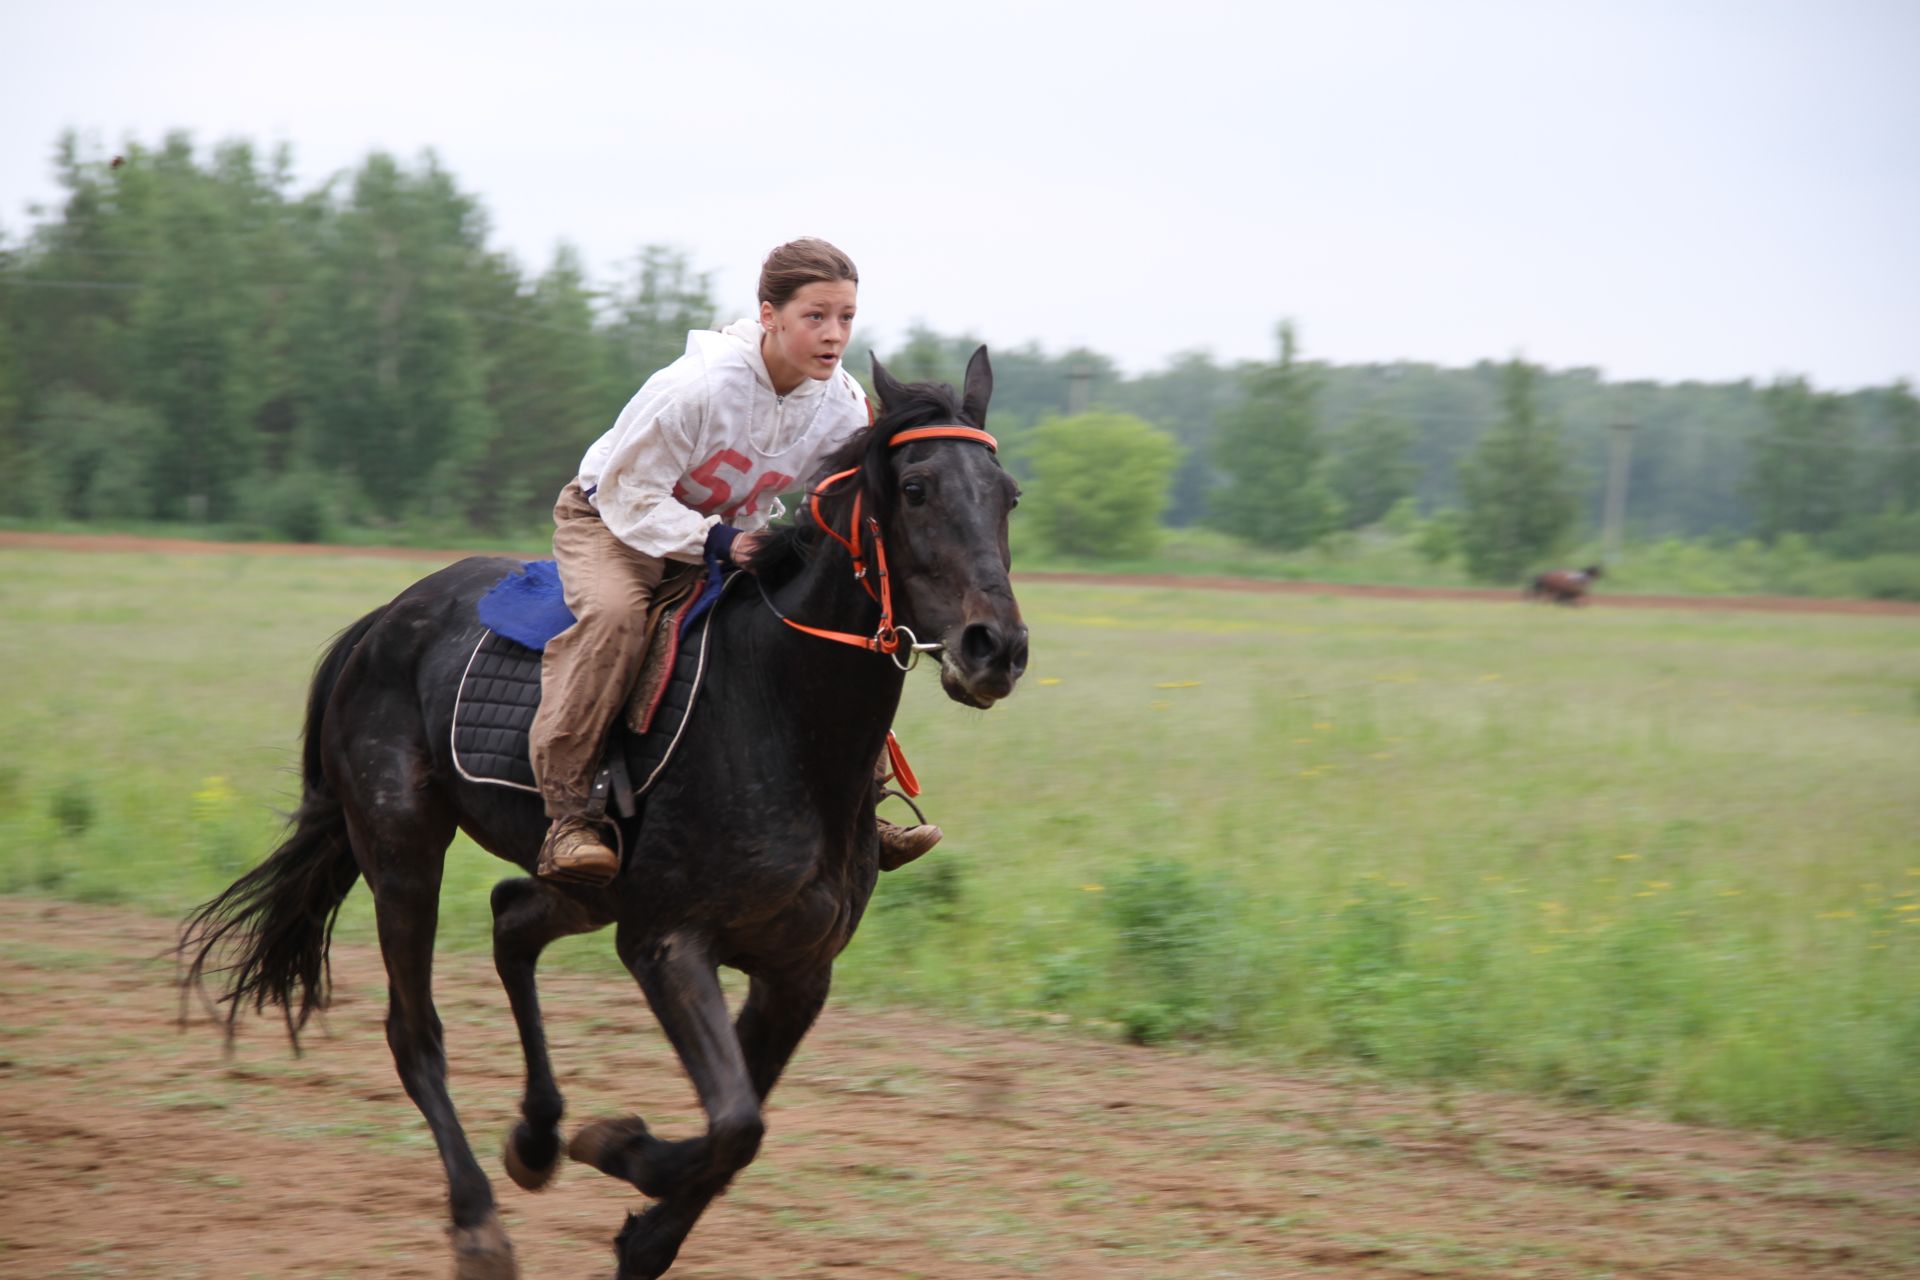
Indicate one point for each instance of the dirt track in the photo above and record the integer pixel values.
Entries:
(1769, 604)
(899, 1146)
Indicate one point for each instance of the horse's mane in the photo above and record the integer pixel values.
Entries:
(790, 545)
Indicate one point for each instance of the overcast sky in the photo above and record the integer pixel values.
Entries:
(1664, 190)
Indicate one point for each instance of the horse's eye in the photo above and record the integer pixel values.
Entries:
(915, 491)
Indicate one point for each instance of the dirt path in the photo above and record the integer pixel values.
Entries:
(1769, 604)
(899, 1146)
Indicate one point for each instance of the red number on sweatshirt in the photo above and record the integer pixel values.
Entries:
(719, 497)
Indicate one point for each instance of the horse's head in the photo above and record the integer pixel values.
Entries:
(942, 504)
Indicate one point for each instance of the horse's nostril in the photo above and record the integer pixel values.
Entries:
(1018, 662)
(979, 643)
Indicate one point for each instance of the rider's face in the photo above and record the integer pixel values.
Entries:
(808, 336)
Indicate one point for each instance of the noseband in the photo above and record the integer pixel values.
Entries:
(888, 639)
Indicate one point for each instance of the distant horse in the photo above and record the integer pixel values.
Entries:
(1563, 586)
(756, 848)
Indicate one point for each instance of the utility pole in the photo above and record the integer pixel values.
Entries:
(1622, 454)
(1079, 383)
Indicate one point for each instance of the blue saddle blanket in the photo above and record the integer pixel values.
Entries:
(530, 608)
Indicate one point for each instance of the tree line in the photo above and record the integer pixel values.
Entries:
(188, 337)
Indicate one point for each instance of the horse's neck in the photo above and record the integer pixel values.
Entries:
(835, 682)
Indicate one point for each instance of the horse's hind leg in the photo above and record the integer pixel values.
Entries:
(527, 915)
(400, 837)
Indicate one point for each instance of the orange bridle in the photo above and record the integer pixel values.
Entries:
(887, 638)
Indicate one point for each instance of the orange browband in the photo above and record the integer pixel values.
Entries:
(944, 433)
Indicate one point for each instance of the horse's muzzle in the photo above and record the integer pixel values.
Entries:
(983, 664)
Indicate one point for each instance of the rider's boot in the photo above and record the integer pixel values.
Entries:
(574, 851)
(900, 845)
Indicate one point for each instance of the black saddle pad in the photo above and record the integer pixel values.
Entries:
(501, 691)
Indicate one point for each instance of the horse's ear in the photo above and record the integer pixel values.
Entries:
(885, 385)
(973, 402)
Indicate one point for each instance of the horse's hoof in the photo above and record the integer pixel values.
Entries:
(527, 1176)
(483, 1252)
(646, 1250)
(607, 1144)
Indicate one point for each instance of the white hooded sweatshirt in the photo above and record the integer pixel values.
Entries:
(707, 441)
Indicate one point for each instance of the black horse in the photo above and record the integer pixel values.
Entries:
(756, 848)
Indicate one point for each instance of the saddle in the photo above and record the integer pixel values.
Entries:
(500, 692)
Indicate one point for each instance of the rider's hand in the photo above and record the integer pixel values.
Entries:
(745, 546)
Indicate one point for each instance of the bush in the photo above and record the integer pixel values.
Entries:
(301, 505)
(1888, 577)
(1165, 924)
(1099, 484)
(1438, 540)
(91, 459)
(71, 808)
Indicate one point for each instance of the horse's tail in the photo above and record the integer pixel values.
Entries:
(272, 926)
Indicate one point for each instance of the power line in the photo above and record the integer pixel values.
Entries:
(111, 285)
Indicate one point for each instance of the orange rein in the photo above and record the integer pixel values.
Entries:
(886, 639)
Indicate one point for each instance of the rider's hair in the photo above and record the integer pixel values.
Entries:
(799, 263)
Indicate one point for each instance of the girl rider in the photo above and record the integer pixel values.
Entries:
(691, 465)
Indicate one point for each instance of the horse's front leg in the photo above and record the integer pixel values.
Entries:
(527, 915)
(679, 978)
(779, 1011)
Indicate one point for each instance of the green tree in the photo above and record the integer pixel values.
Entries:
(1519, 500)
(1372, 468)
(547, 391)
(1801, 472)
(88, 458)
(1099, 483)
(927, 356)
(196, 328)
(393, 392)
(157, 286)
(13, 438)
(1269, 450)
(1187, 400)
(662, 298)
(1900, 478)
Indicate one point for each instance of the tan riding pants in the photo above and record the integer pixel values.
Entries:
(589, 669)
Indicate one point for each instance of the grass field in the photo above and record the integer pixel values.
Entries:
(1632, 857)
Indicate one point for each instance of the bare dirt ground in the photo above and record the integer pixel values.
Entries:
(899, 1146)
(1602, 597)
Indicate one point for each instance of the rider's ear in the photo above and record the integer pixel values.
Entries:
(973, 401)
(890, 390)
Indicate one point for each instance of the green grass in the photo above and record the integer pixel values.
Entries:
(1378, 556)
(1628, 857)
(1674, 566)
